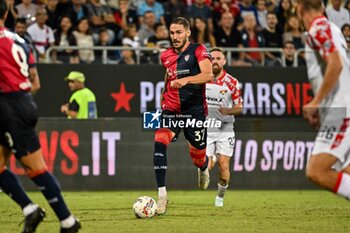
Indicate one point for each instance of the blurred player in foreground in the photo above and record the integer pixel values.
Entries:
(188, 68)
(224, 102)
(18, 117)
(328, 70)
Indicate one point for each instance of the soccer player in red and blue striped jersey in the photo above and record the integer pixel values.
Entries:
(188, 67)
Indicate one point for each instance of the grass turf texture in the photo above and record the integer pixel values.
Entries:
(193, 211)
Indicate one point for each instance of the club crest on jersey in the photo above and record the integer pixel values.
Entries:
(187, 57)
(223, 92)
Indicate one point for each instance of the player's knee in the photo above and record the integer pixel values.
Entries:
(31, 173)
(163, 136)
(313, 174)
(198, 156)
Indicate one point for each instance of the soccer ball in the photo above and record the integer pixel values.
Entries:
(144, 207)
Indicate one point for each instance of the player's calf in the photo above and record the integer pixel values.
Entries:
(320, 172)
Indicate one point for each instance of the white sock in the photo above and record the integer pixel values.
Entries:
(30, 209)
(68, 222)
(162, 191)
(222, 190)
(343, 185)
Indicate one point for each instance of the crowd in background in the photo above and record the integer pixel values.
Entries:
(144, 23)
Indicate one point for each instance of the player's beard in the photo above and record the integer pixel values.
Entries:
(216, 69)
(181, 45)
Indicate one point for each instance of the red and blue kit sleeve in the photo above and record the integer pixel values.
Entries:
(202, 53)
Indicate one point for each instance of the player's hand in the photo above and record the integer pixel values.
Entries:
(64, 108)
(178, 83)
(311, 114)
(224, 111)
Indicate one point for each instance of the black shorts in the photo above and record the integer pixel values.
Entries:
(18, 118)
(194, 134)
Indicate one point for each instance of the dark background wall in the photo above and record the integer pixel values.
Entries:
(265, 89)
(273, 142)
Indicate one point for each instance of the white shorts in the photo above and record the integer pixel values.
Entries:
(221, 142)
(334, 138)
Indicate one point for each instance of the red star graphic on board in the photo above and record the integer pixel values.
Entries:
(122, 99)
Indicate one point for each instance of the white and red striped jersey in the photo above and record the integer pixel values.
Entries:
(15, 60)
(324, 37)
(222, 92)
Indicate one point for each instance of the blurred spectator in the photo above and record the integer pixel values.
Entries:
(346, 32)
(288, 56)
(273, 39)
(104, 56)
(151, 5)
(41, 34)
(64, 37)
(161, 37)
(27, 10)
(21, 30)
(224, 6)
(159, 41)
(130, 37)
(189, 3)
(200, 10)
(135, 3)
(11, 15)
(247, 7)
(76, 10)
(101, 16)
(294, 32)
(53, 14)
(84, 39)
(200, 33)
(271, 5)
(228, 36)
(347, 5)
(146, 30)
(284, 11)
(251, 38)
(337, 14)
(125, 16)
(127, 57)
(173, 9)
(262, 12)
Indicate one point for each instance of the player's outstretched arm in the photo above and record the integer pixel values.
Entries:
(331, 76)
(235, 110)
(34, 80)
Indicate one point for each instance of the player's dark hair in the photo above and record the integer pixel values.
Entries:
(182, 21)
(311, 4)
(3, 9)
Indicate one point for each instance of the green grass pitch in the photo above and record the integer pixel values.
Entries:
(193, 211)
